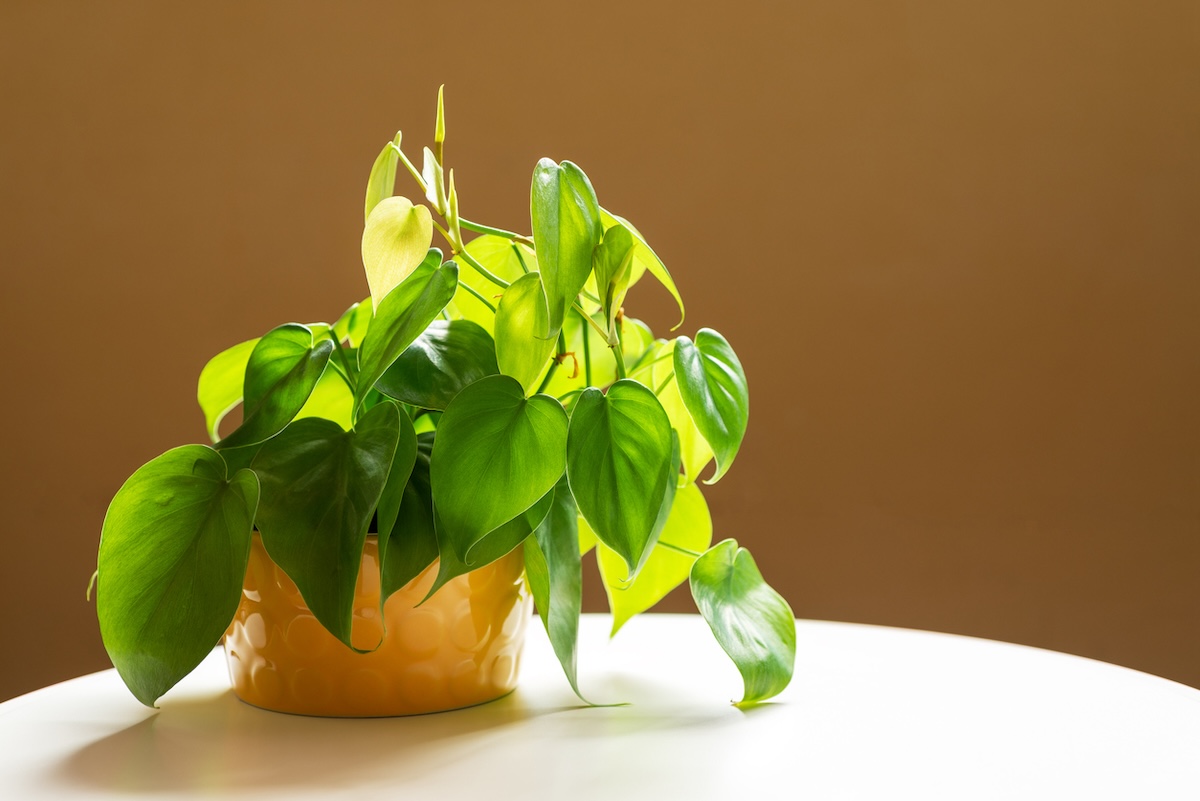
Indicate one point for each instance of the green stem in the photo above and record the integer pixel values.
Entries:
(619, 353)
(412, 170)
(652, 362)
(666, 381)
(520, 258)
(479, 228)
(571, 394)
(595, 325)
(562, 351)
(479, 268)
(587, 353)
(677, 549)
(470, 289)
(346, 372)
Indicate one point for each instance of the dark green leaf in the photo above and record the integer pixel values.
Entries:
(173, 554)
(619, 462)
(403, 316)
(283, 369)
(713, 386)
(220, 386)
(521, 349)
(320, 487)
(439, 363)
(496, 454)
(412, 543)
(752, 622)
(566, 229)
(391, 499)
(556, 580)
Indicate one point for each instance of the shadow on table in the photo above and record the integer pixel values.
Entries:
(222, 743)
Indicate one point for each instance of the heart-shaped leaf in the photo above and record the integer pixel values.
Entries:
(402, 317)
(394, 242)
(320, 487)
(496, 454)
(694, 451)
(753, 623)
(382, 180)
(619, 463)
(406, 523)
(713, 387)
(447, 357)
(281, 373)
(646, 260)
(566, 229)
(521, 323)
(555, 578)
(173, 554)
(219, 389)
(688, 528)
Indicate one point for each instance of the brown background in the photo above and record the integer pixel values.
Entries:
(956, 245)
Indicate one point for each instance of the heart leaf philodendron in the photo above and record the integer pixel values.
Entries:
(495, 402)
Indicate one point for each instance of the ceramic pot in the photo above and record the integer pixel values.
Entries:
(461, 647)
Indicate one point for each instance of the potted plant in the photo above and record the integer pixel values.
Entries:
(489, 407)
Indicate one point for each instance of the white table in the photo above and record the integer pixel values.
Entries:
(873, 712)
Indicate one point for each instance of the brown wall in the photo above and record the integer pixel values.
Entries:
(956, 244)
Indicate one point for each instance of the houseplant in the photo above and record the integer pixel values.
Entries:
(496, 404)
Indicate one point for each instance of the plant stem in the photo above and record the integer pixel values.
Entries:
(587, 353)
(666, 381)
(520, 258)
(412, 170)
(479, 268)
(592, 322)
(479, 228)
(477, 295)
(346, 372)
(562, 352)
(570, 394)
(677, 549)
(619, 353)
(651, 363)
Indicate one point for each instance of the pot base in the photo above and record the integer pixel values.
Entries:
(460, 648)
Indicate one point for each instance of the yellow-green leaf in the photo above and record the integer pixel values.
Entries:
(395, 240)
(219, 389)
(382, 181)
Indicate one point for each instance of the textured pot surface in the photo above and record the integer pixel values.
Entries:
(459, 648)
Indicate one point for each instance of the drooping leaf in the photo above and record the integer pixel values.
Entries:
(173, 555)
(320, 487)
(395, 240)
(556, 579)
(499, 256)
(753, 623)
(382, 180)
(402, 317)
(411, 536)
(390, 500)
(521, 324)
(713, 387)
(688, 527)
(281, 373)
(646, 260)
(220, 386)
(693, 448)
(447, 357)
(352, 325)
(566, 229)
(613, 262)
(496, 454)
(619, 463)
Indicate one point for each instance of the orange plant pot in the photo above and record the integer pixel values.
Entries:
(461, 647)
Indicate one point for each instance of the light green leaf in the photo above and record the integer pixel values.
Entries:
(411, 536)
(220, 386)
(394, 243)
(499, 256)
(435, 182)
(402, 317)
(753, 623)
(612, 267)
(635, 337)
(173, 555)
(554, 576)
(713, 387)
(281, 373)
(521, 322)
(688, 527)
(496, 454)
(382, 181)
(619, 463)
(566, 229)
(646, 260)
(587, 537)
(694, 451)
(331, 399)
(352, 325)
(447, 357)
(320, 487)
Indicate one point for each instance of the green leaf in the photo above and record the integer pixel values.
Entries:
(412, 543)
(220, 386)
(394, 243)
(646, 260)
(173, 555)
(566, 229)
(447, 357)
(713, 387)
(496, 454)
(521, 323)
(499, 256)
(382, 181)
(693, 448)
(753, 623)
(392, 497)
(435, 181)
(283, 369)
(402, 317)
(619, 463)
(613, 262)
(635, 337)
(331, 399)
(689, 527)
(556, 580)
(320, 487)
(352, 325)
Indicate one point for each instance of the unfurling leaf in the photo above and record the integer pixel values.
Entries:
(646, 260)
(382, 181)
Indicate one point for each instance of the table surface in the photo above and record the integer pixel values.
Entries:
(873, 712)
